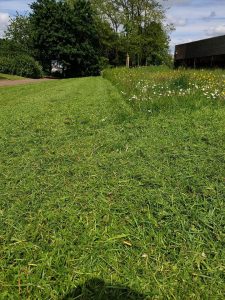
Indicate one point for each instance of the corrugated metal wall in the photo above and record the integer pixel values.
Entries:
(203, 48)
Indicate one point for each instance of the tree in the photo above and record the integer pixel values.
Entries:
(155, 45)
(19, 33)
(132, 20)
(67, 33)
(79, 34)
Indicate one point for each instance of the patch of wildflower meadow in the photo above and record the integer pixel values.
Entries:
(152, 84)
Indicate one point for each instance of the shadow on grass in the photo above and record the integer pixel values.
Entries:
(97, 289)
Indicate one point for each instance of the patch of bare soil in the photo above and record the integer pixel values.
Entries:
(22, 81)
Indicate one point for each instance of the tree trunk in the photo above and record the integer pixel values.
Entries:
(128, 61)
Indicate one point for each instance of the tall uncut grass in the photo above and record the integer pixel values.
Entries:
(152, 89)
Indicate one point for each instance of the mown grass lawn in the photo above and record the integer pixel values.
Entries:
(97, 196)
(9, 77)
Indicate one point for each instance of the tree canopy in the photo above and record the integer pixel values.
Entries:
(83, 35)
(140, 26)
(66, 33)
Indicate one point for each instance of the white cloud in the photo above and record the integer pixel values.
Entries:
(4, 20)
(194, 21)
(174, 2)
(212, 14)
(210, 17)
(177, 21)
(215, 31)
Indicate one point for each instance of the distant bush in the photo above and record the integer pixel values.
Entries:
(21, 65)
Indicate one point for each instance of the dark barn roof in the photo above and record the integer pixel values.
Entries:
(211, 48)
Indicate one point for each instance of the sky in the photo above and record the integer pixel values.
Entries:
(193, 19)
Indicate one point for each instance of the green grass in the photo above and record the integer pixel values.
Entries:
(154, 89)
(9, 77)
(97, 196)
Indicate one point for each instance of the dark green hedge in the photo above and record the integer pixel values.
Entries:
(21, 65)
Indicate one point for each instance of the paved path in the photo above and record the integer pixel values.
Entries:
(5, 82)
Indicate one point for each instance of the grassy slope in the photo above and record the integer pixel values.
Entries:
(83, 178)
(10, 77)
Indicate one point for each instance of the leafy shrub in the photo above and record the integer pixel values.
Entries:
(21, 65)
